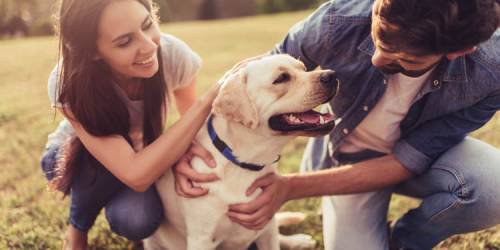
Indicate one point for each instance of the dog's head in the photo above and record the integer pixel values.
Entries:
(276, 93)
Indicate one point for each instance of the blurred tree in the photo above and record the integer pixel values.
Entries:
(26, 16)
(3, 13)
(176, 10)
(208, 10)
(300, 4)
(16, 27)
(273, 6)
(37, 14)
(163, 10)
(270, 6)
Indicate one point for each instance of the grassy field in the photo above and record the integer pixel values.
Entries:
(33, 218)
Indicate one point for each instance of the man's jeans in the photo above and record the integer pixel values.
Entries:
(459, 193)
(130, 214)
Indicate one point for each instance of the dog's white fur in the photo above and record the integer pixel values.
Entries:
(247, 99)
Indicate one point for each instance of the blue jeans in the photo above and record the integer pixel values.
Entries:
(459, 194)
(130, 214)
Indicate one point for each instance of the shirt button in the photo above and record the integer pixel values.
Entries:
(345, 131)
(435, 83)
(365, 108)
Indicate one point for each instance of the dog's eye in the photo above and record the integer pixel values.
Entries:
(284, 77)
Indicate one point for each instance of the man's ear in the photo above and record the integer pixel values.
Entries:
(233, 102)
(454, 55)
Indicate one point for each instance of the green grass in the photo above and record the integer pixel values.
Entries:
(33, 218)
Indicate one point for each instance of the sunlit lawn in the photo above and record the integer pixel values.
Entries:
(32, 218)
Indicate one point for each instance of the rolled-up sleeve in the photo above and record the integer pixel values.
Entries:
(421, 147)
(180, 63)
(307, 40)
(54, 87)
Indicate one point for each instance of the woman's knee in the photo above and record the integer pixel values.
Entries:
(135, 215)
(133, 226)
(48, 162)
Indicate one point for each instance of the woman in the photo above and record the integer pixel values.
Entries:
(113, 84)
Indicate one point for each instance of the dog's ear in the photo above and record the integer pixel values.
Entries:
(233, 102)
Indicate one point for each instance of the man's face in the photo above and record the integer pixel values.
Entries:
(391, 60)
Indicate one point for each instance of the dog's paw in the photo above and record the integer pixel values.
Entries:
(289, 218)
(297, 242)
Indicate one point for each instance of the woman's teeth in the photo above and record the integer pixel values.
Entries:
(147, 61)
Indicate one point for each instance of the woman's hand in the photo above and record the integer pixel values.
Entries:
(239, 66)
(256, 214)
(185, 175)
(212, 93)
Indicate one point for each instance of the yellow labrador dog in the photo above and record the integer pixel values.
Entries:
(259, 109)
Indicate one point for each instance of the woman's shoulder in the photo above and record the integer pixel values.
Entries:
(165, 37)
(180, 62)
(176, 50)
(170, 42)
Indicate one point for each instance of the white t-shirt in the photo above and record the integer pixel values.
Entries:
(180, 67)
(380, 129)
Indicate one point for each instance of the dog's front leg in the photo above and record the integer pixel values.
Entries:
(200, 235)
(200, 243)
(268, 240)
(202, 216)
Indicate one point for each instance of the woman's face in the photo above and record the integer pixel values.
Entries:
(128, 40)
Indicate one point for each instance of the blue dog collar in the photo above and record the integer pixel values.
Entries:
(226, 150)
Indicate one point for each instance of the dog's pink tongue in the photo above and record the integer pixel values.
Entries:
(310, 117)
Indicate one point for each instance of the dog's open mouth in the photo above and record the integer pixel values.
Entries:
(309, 121)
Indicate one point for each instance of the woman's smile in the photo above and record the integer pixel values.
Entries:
(147, 63)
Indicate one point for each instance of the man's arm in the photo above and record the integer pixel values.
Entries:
(425, 144)
(356, 178)
(360, 177)
(413, 154)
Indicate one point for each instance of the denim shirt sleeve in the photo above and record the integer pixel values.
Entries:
(421, 147)
(308, 39)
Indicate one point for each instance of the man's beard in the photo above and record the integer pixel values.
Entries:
(394, 68)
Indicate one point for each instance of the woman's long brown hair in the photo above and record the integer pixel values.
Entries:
(86, 88)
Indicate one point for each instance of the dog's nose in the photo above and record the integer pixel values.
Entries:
(328, 78)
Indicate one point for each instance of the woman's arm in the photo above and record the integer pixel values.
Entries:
(139, 170)
(185, 97)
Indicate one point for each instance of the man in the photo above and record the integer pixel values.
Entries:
(416, 77)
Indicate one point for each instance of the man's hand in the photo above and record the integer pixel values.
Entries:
(257, 213)
(185, 175)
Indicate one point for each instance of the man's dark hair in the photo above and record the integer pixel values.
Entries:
(438, 26)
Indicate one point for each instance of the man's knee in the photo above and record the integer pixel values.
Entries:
(472, 168)
(469, 173)
(459, 194)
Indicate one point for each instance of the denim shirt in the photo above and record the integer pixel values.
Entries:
(460, 96)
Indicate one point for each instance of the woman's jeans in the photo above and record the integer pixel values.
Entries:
(459, 193)
(131, 214)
